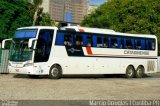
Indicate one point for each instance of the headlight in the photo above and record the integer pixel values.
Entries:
(28, 64)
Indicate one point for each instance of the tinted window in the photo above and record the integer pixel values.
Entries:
(79, 40)
(111, 41)
(99, 41)
(129, 44)
(43, 46)
(25, 33)
(114, 43)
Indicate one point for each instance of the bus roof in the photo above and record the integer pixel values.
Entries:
(105, 31)
(38, 27)
(90, 30)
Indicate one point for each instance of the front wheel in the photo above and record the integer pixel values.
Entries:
(55, 72)
(140, 72)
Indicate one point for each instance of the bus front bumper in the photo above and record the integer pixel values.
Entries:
(25, 70)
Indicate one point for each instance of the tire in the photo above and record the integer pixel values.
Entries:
(130, 72)
(33, 76)
(55, 72)
(140, 72)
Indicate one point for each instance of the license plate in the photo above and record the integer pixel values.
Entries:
(17, 70)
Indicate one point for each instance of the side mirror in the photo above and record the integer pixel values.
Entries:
(4, 41)
(30, 43)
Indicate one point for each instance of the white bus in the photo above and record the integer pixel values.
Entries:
(42, 50)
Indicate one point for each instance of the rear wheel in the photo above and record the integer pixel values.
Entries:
(55, 72)
(140, 72)
(130, 72)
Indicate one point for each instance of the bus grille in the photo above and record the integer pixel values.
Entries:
(150, 66)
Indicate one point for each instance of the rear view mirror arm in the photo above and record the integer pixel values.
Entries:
(4, 41)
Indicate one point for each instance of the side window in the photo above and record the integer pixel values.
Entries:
(153, 44)
(68, 40)
(143, 46)
(105, 42)
(137, 44)
(59, 38)
(150, 44)
(89, 41)
(114, 43)
(64, 38)
(94, 41)
(122, 43)
(129, 44)
(84, 39)
(79, 40)
(99, 41)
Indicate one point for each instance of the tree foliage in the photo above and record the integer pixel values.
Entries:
(14, 14)
(37, 11)
(19, 13)
(129, 16)
(45, 20)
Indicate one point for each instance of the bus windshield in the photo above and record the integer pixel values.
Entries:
(19, 51)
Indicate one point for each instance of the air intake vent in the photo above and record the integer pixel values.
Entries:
(150, 66)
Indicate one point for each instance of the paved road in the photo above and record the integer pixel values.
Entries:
(20, 87)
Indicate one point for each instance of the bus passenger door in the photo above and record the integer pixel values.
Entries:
(43, 49)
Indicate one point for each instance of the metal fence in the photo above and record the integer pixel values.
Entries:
(4, 61)
(158, 64)
(0, 55)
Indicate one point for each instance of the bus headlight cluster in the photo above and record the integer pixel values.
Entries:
(28, 64)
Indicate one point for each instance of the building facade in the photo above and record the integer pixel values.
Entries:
(78, 9)
(45, 6)
(58, 9)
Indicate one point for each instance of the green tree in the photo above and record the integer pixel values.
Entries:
(14, 14)
(46, 20)
(129, 16)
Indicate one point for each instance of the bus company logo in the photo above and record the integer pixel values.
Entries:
(72, 50)
(136, 52)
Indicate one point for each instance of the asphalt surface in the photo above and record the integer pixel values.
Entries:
(111, 87)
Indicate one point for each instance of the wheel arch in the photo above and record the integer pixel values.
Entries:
(141, 66)
(131, 66)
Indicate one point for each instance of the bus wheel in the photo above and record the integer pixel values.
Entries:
(55, 72)
(130, 72)
(140, 72)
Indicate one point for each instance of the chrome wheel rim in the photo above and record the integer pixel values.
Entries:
(130, 72)
(139, 72)
(54, 72)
